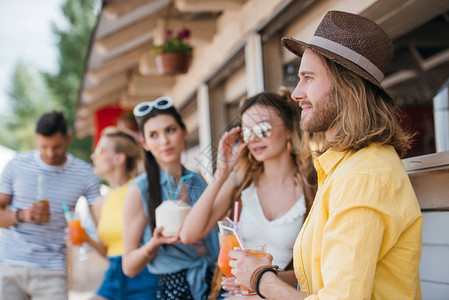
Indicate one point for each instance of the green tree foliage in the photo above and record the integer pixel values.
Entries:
(31, 98)
(33, 93)
(73, 42)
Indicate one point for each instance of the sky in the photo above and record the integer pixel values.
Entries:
(25, 35)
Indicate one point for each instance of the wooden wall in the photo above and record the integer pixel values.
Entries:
(429, 175)
(434, 268)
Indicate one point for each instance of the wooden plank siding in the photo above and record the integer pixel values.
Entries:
(434, 268)
(429, 175)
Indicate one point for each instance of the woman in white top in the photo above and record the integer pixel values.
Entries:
(274, 177)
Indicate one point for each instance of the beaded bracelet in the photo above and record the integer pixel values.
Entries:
(257, 275)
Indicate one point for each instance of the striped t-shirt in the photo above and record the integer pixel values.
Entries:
(34, 245)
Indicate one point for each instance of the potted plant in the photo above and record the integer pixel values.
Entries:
(174, 56)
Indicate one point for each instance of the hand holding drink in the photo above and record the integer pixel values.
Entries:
(37, 213)
(228, 241)
(245, 263)
(41, 209)
(256, 251)
(77, 234)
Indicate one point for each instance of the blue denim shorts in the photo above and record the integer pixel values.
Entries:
(118, 286)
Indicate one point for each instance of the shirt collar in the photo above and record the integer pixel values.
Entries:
(326, 162)
(43, 165)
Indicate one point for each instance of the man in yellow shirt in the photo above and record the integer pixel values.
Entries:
(362, 238)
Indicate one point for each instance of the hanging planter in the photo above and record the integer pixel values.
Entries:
(171, 63)
(174, 56)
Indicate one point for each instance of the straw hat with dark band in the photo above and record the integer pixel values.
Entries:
(352, 41)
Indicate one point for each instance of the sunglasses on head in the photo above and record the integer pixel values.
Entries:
(144, 108)
(260, 130)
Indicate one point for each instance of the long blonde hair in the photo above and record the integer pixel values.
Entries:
(364, 114)
(249, 170)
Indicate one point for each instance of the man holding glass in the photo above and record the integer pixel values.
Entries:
(362, 238)
(33, 186)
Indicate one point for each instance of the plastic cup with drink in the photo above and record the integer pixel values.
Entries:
(77, 234)
(228, 240)
(256, 251)
(76, 231)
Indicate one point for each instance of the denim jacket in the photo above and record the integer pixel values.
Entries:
(177, 257)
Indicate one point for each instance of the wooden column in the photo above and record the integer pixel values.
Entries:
(254, 65)
(205, 157)
(272, 62)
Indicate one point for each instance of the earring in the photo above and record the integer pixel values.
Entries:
(251, 158)
(289, 146)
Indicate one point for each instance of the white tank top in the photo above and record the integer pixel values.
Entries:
(279, 235)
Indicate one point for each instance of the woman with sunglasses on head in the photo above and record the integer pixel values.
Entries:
(184, 271)
(274, 179)
(115, 160)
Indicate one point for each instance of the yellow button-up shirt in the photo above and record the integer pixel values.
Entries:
(362, 239)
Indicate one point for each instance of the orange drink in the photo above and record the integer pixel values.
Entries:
(228, 242)
(256, 251)
(76, 232)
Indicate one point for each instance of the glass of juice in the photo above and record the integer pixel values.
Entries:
(256, 251)
(227, 242)
(76, 231)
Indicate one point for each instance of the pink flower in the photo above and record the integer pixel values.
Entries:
(184, 34)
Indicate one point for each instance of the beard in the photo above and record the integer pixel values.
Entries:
(321, 115)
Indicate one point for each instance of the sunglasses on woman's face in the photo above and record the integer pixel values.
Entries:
(144, 108)
(260, 130)
(99, 151)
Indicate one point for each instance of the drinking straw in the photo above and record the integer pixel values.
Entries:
(167, 177)
(236, 212)
(236, 232)
(183, 178)
(67, 215)
(239, 239)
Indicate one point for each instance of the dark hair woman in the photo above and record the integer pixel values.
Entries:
(184, 271)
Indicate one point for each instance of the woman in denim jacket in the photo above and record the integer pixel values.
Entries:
(184, 271)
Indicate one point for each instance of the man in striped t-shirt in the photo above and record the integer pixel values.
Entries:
(32, 245)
